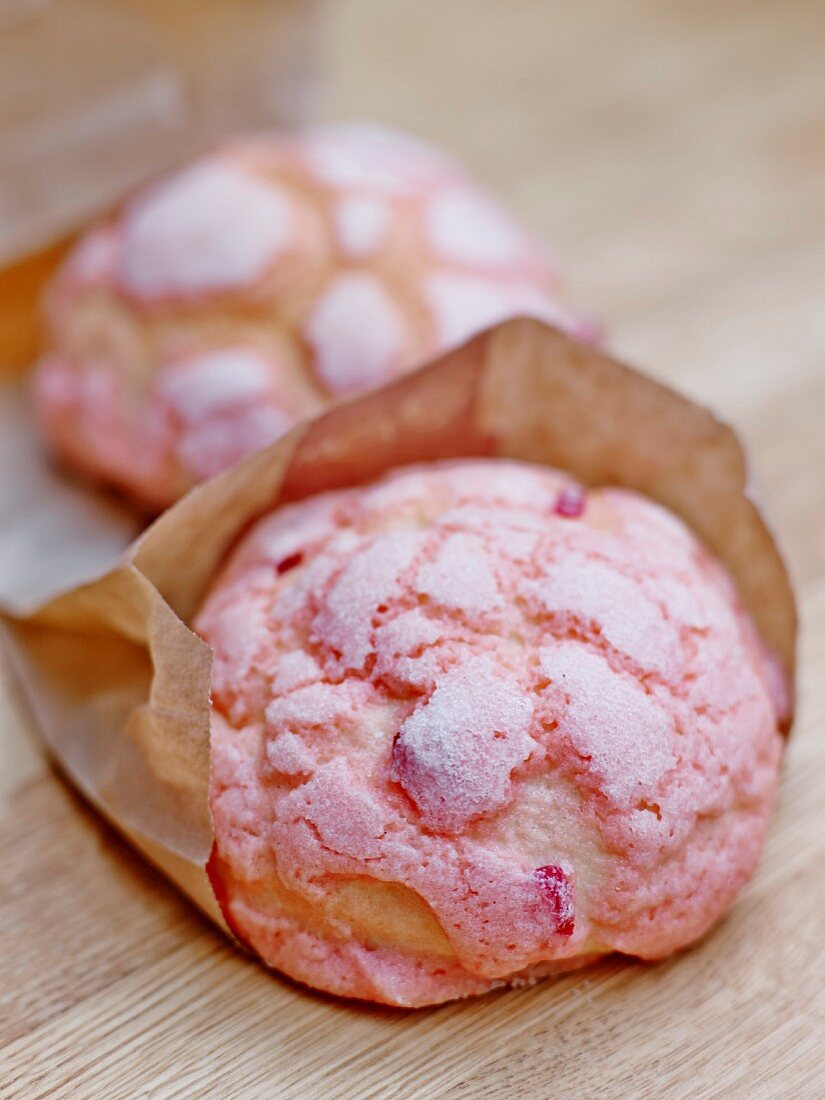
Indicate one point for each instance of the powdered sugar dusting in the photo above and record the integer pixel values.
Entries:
(347, 819)
(372, 157)
(212, 227)
(455, 753)
(295, 669)
(405, 650)
(356, 334)
(371, 579)
(289, 754)
(362, 222)
(468, 228)
(461, 578)
(625, 739)
(289, 530)
(465, 304)
(598, 595)
(211, 383)
(315, 706)
(217, 442)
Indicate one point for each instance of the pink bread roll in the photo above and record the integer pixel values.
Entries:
(261, 283)
(473, 726)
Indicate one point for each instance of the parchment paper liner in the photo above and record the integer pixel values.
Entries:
(118, 683)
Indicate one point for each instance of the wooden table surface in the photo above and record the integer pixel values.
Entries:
(675, 155)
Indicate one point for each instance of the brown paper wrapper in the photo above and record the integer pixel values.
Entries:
(120, 685)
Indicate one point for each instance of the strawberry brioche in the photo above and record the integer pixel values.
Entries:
(473, 725)
(254, 287)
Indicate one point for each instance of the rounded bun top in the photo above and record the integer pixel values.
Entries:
(326, 262)
(473, 720)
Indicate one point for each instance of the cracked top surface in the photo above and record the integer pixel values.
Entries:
(472, 724)
(277, 274)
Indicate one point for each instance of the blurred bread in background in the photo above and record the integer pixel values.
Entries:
(216, 308)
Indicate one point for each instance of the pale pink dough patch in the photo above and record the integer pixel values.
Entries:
(469, 229)
(87, 415)
(218, 443)
(227, 405)
(216, 382)
(210, 228)
(362, 222)
(454, 756)
(342, 257)
(205, 413)
(463, 305)
(474, 724)
(364, 156)
(356, 334)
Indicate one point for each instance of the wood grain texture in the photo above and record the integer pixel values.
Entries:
(675, 153)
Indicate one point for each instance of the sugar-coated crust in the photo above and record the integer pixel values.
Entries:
(473, 725)
(336, 260)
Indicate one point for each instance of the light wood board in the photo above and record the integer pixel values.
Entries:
(675, 155)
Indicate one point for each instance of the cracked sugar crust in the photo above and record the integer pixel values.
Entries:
(256, 286)
(464, 737)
